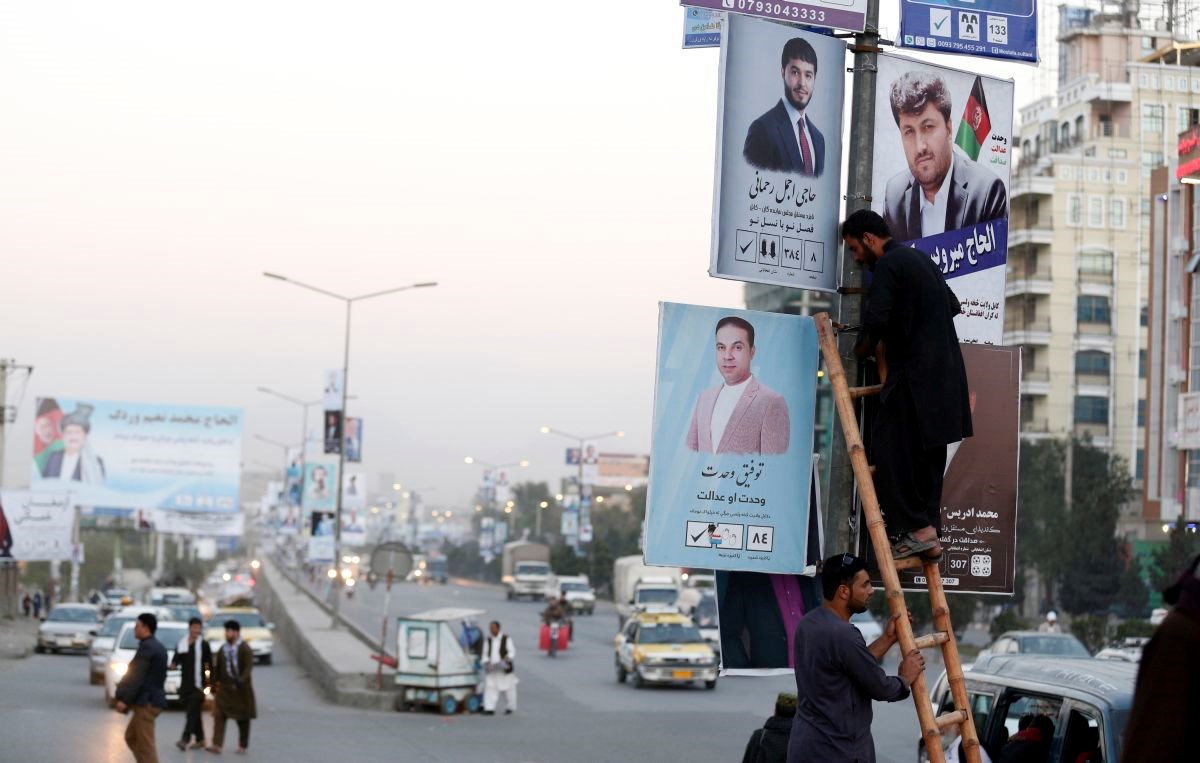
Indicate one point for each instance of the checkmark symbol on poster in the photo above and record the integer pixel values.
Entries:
(747, 246)
(697, 535)
(939, 22)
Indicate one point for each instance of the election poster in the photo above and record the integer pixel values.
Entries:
(777, 195)
(702, 28)
(1005, 29)
(834, 14)
(138, 455)
(354, 528)
(208, 523)
(941, 179)
(354, 491)
(321, 541)
(979, 495)
(732, 440)
(352, 445)
(333, 432)
(335, 380)
(36, 527)
(320, 483)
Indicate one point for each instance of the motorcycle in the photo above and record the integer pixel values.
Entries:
(553, 637)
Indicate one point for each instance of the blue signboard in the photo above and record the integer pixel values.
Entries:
(988, 28)
(702, 28)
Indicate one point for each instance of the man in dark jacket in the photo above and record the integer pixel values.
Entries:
(1166, 700)
(233, 689)
(193, 658)
(769, 744)
(141, 690)
(924, 405)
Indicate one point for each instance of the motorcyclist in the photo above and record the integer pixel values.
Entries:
(565, 606)
(553, 612)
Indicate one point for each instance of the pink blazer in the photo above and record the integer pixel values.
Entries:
(759, 424)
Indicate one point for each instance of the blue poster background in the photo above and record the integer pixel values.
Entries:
(738, 492)
(989, 28)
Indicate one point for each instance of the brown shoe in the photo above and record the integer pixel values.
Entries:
(213, 749)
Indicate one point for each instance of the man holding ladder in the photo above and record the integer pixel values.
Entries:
(924, 404)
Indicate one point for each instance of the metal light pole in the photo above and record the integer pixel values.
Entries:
(581, 441)
(349, 302)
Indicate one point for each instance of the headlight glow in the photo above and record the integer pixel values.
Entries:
(120, 668)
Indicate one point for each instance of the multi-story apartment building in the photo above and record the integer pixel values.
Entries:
(1077, 293)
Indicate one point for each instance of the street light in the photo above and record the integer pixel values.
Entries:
(581, 441)
(349, 302)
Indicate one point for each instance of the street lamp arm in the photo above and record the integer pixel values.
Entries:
(393, 291)
(303, 285)
(282, 396)
(269, 441)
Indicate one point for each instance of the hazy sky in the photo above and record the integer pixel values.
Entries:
(549, 163)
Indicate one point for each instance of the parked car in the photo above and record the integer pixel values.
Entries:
(104, 640)
(68, 627)
(168, 634)
(256, 631)
(116, 597)
(1036, 642)
(1129, 650)
(664, 648)
(1087, 700)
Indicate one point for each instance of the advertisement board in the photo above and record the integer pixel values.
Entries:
(320, 483)
(138, 455)
(702, 28)
(730, 462)
(209, 524)
(940, 179)
(989, 28)
(778, 195)
(35, 526)
(835, 14)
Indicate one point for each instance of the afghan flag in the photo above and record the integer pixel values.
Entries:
(976, 124)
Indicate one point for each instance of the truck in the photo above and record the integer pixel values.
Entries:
(581, 597)
(638, 587)
(525, 570)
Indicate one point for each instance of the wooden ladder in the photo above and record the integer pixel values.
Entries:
(931, 726)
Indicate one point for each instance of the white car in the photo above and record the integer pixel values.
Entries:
(68, 626)
(168, 634)
(104, 640)
(581, 597)
(867, 626)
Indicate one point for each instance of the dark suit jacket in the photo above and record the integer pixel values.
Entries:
(186, 662)
(143, 682)
(910, 308)
(771, 143)
(752, 631)
(976, 196)
(54, 465)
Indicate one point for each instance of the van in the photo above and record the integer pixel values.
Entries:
(1087, 700)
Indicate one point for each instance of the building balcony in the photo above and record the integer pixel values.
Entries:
(1031, 333)
(1035, 381)
(1028, 184)
(1035, 236)
(1028, 283)
(1035, 429)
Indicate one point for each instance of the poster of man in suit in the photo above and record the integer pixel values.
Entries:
(732, 440)
(779, 155)
(940, 179)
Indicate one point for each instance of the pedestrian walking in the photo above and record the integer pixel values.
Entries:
(141, 690)
(924, 405)
(499, 678)
(838, 674)
(1050, 624)
(26, 605)
(769, 744)
(1166, 700)
(233, 688)
(37, 604)
(193, 659)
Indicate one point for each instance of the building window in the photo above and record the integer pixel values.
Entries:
(1141, 413)
(1183, 84)
(1196, 86)
(1168, 83)
(1090, 308)
(1096, 262)
(1095, 211)
(1141, 364)
(1151, 160)
(1075, 210)
(1116, 213)
(1143, 80)
(1064, 134)
(1152, 117)
(1091, 362)
(1139, 467)
(1092, 176)
(1144, 319)
(1122, 175)
(1091, 410)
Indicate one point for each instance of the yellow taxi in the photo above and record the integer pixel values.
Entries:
(664, 648)
(256, 632)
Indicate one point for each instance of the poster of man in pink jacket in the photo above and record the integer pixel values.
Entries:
(741, 415)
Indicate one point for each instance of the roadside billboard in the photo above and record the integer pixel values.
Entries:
(732, 440)
(778, 196)
(138, 455)
(702, 28)
(320, 483)
(36, 527)
(940, 179)
(208, 524)
(321, 538)
(615, 469)
(1004, 29)
(835, 14)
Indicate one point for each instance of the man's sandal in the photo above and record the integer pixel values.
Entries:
(909, 545)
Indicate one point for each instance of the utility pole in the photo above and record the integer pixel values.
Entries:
(840, 514)
(9, 606)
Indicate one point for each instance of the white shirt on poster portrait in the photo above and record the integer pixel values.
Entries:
(70, 463)
(727, 400)
(933, 213)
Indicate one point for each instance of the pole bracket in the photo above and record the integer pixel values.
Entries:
(865, 48)
(858, 197)
(863, 68)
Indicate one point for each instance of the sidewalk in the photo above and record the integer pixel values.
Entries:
(17, 637)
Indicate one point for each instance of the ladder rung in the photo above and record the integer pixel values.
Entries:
(909, 563)
(857, 392)
(933, 639)
(950, 719)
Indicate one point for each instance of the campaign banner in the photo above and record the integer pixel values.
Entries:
(615, 469)
(320, 483)
(335, 380)
(36, 527)
(354, 491)
(294, 482)
(940, 179)
(732, 440)
(989, 28)
(487, 538)
(321, 539)
(206, 523)
(138, 455)
(500, 488)
(569, 525)
(979, 495)
(835, 14)
(333, 432)
(1188, 423)
(777, 196)
(352, 439)
(702, 28)
(289, 520)
(354, 528)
